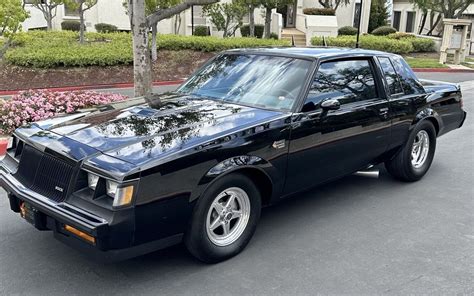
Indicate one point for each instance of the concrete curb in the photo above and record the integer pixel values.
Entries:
(93, 87)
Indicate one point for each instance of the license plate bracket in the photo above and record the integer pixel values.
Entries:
(33, 216)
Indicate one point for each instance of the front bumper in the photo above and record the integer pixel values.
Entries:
(54, 216)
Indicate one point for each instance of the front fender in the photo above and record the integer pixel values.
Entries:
(231, 165)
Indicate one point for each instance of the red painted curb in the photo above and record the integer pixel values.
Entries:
(91, 87)
(443, 70)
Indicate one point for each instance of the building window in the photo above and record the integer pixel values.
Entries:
(396, 20)
(70, 11)
(34, 1)
(410, 22)
(357, 7)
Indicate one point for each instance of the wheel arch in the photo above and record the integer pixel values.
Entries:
(427, 114)
(250, 167)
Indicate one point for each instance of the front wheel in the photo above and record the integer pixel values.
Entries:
(413, 161)
(224, 219)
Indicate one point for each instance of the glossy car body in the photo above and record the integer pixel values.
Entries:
(172, 147)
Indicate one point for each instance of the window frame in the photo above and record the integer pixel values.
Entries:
(379, 84)
(387, 87)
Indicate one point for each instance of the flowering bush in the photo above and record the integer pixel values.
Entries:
(35, 105)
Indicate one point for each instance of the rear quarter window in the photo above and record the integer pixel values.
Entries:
(408, 79)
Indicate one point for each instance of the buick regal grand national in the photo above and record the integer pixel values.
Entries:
(249, 128)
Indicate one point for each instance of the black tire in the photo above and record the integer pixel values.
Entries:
(196, 237)
(401, 167)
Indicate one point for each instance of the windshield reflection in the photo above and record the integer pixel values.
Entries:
(261, 81)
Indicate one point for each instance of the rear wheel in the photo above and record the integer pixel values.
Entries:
(413, 161)
(224, 219)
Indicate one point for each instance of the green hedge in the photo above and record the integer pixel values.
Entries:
(245, 31)
(368, 42)
(70, 25)
(319, 11)
(347, 30)
(201, 31)
(384, 30)
(419, 44)
(61, 49)
(105, 28)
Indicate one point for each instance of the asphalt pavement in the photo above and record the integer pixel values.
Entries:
(357, 235)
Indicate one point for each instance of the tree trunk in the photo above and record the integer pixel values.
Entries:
(141, 56)
(82, 27)
(154, 51)
(423, 22)
(252, 20)
(4, 47)
(268, 21)
(433, 27)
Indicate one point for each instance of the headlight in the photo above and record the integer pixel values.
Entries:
(122, 196)
(92, 180)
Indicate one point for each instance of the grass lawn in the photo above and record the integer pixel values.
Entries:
(418, 62)
(469, 62)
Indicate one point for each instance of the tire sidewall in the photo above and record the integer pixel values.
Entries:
(429, 128)
(196, 238)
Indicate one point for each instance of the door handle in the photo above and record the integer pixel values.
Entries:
(383, 111)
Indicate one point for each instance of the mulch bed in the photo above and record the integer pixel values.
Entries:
(171, 65)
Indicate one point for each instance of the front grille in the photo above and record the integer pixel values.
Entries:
(45, 174)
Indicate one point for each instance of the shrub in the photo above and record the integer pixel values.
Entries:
(245, 31)
(70, 25)
(274, 36)
(347, 30)
(422, 44)
(201, 31)
(61, 49)
(105, 28)
(35, 105)
(319, 11)
(400, 35)
(384, 30)
(368, 42)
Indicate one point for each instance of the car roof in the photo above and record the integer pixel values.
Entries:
(310, 52)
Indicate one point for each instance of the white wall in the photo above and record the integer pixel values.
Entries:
(36, 19)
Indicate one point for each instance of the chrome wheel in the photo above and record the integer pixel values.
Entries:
(420, 149)
(228, 216)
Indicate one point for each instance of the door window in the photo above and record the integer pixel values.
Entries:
(391, 76)
(348, 81)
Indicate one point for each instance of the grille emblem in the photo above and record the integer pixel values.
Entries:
(58, 188)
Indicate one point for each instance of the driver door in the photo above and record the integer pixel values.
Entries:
(343, 125)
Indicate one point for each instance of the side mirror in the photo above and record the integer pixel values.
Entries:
(330, 104)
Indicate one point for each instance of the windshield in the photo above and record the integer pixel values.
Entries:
(262, 81)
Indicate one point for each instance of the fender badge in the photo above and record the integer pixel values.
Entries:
(58, 188)
(279, 144)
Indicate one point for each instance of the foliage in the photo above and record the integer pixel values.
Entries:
(378, 14)
(274, 36)
(227, 16)
(347, 30)
(105, 28)
(400, 35)
(71, 25)
(319, 11)
(12, 14)
(201, 31)
(245, 31)
(60, 49)
(384, 30)
(448, 8)
(422, 44)
(333, 3)
(381, 43)
(48, 8)
(35, 105)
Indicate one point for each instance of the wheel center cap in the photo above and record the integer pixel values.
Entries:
(228, 216)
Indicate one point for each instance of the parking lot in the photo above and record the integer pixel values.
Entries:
(354, 236)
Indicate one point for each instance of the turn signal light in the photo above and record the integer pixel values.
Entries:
(80, 234)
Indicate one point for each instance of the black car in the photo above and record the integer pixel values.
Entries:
(246, 130)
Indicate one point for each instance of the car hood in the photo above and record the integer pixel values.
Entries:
(139, 130)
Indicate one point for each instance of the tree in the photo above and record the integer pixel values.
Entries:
(81, 6)
(252, 4)
(12, 14)
(378, 14)
(334, 4)
(48, 8)
(443, 8)
(140, 23)
(269, 5)
(226, 17)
